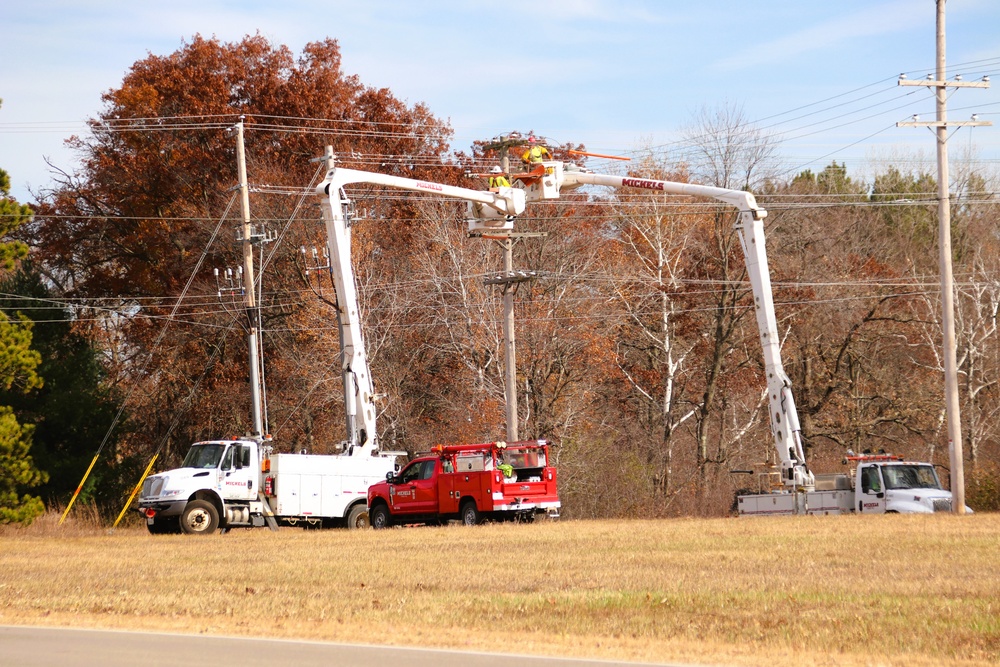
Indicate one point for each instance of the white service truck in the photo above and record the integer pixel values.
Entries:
(876, 484)
(242, 483)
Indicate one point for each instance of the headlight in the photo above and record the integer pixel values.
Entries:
(173, 492)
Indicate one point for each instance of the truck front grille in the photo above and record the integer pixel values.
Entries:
(942, 504)
(152, 487)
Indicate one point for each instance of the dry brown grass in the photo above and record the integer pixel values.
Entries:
(850, 590)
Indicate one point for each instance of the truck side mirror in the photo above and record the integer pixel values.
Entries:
(390, 477)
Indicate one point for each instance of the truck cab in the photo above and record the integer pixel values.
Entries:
(469, 483)
(899, 486)
(192, 498)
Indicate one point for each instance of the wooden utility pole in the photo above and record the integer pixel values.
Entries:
(941, 85)
(510, 352)
(509, 279)
(249, 285)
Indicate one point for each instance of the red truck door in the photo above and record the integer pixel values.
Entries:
(416, 489)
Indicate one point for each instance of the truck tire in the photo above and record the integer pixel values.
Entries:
(380, 517)
(357, 517)
(469, 514)
(199, 518)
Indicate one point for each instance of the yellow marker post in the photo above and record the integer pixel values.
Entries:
(138, 486)
(78, 489)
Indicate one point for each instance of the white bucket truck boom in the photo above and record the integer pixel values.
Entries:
(547, 179)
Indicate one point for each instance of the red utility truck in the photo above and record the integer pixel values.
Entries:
(496, 480)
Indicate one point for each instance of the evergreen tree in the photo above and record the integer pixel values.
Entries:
(18, 375)
(74, 410)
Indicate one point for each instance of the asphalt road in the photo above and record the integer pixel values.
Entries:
(26, 646)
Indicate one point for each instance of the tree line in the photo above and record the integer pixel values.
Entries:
(638, 354)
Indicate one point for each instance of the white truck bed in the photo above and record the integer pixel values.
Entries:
(323, 486)
(814, 502)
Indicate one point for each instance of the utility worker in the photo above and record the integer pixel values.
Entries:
(497, 179)
(535, 153)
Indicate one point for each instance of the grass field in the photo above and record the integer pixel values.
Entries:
(851, 590)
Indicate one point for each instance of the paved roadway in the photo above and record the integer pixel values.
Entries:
(27, 646)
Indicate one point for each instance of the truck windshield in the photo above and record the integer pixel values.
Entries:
(203, 456)
(910, 477)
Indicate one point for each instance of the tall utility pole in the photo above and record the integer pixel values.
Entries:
(510, 354)
(941, 85)
(249, 285)
(509, 279)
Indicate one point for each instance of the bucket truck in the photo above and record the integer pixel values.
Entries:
(242, 482)
(877, 483)
(546, 180)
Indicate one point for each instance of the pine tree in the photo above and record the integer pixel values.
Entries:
(18, 364)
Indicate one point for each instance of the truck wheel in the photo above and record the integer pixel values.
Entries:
(357, 517)
(379, 517)
(470, 515)
(199, 518)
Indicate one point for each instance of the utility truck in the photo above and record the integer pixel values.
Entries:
(242, 483)
(902, 486)
(498, 481)
(876, 484)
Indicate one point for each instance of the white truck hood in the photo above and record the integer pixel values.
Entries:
(171, 483)
(918, 500)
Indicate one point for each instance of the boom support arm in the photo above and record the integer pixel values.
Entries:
(784, 417)
(494, 210)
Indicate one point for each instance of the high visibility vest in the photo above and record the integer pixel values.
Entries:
(499, 182)
(535, 154)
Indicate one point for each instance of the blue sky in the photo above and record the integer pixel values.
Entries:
(615, 75)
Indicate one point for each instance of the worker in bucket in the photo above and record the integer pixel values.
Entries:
(497, 179)
(536, 152)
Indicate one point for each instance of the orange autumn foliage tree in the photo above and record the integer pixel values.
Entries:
(127, 230)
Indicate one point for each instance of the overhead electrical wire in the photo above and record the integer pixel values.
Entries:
(121, 408)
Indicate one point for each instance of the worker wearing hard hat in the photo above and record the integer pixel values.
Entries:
(497, 179)
(535, 153)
